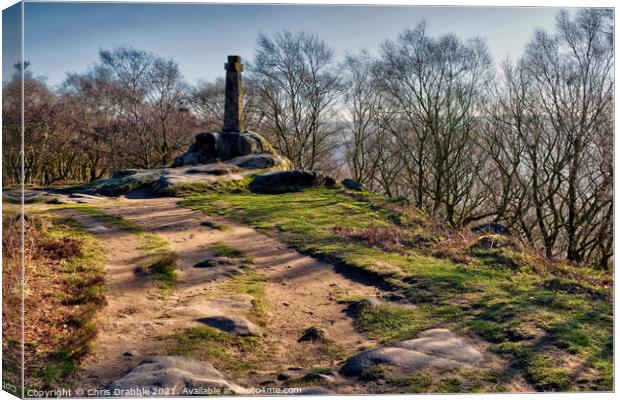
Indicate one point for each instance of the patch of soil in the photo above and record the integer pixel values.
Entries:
(301, 291)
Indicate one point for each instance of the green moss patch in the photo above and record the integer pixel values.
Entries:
(224, 250)
(219, 348)
(161, 265)
(390, 323)
(253, 283)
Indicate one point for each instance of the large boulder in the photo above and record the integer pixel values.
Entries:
(182, 375)
(203, 151)
(289, 181)
(213, 146)
(351, 184)
(435, 348)
(260, 161)
(233, 324)
(231, 145)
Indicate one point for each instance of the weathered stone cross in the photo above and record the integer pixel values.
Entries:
(233, 106)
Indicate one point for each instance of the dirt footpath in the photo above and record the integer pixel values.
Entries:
(128, 322)
(301, 291)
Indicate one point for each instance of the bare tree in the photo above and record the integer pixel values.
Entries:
(297, 92)
(364, 136)
(432, 90)
(573, 71)
(11, 131)
(555, 117)
(92, 114)
(148, 92)
(166, 94)
(207, 101)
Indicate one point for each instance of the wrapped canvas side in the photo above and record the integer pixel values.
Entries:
(13, 218)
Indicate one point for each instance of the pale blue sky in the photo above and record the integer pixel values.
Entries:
(62, 37)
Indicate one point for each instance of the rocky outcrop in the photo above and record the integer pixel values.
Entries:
(212, 147)
(159, 180)
(435, 348)
(180, 375)
(214, 157)
(260, 161)
(289, 181)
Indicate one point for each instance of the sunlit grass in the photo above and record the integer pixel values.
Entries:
(498, 294)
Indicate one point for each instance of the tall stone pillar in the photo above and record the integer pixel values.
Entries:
(233, 107)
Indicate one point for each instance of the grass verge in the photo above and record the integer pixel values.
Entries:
(64, 287)
(488, 286)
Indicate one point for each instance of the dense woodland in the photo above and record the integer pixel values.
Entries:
(431, 119)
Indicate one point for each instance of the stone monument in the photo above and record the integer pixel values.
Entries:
(233, 106)
(233, 141)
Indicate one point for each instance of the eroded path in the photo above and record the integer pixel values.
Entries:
(127, 321)
(301, 291)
